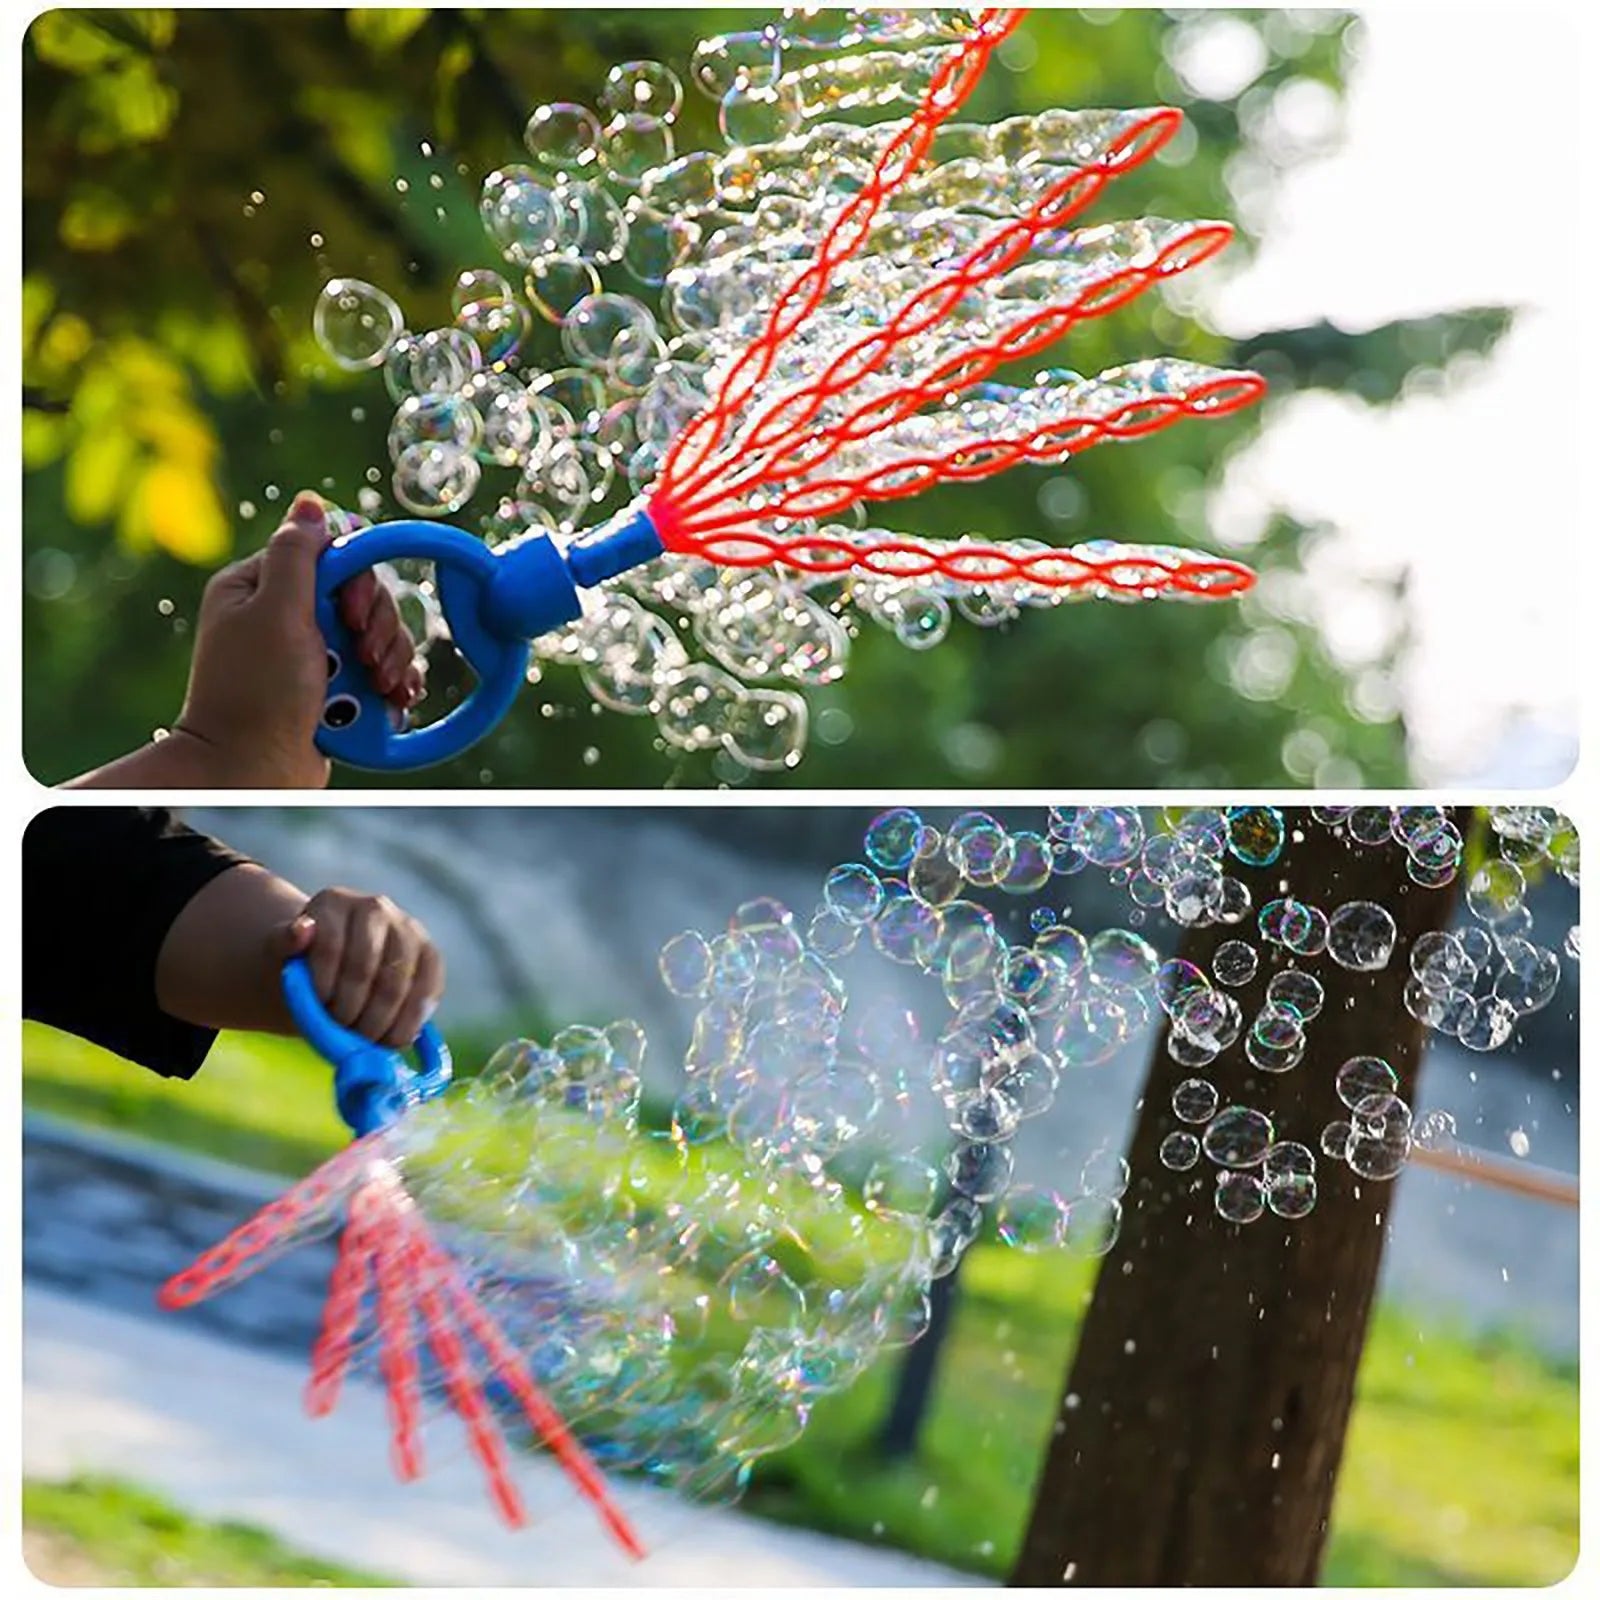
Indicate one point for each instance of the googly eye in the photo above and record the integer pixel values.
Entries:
(341, 711)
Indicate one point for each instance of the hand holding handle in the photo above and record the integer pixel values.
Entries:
(372, 1084)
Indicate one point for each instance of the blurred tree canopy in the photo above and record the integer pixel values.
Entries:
(191, 177)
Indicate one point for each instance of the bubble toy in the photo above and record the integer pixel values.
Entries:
(842, 296)
(420, 1298)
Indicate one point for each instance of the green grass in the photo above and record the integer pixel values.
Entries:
(1461, 1465)
(104, 1533)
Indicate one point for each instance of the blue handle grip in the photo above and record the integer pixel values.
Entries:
(372, 1085)
(494, 601)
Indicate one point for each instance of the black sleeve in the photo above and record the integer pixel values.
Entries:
(101, 886)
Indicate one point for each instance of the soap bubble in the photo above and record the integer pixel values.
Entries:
(642, 88)
(1234, 962)
(1239, 1197)
(891, 840)
(1032, 1219)
(356, 323)
(1238, 1137)
(1195, 1100)
(1255, 834)
(1361, 936)
(434, 479)
(1299, 991)
(1363, 1076)
(1180, 1151)
(563, 137)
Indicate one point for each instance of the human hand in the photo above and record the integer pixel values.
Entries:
(259, 671)
(374, 967)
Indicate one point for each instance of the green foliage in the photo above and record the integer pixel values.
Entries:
(191, 177)
(91, 1530)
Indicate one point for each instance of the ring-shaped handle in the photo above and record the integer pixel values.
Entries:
(372, 1084)
(359, 727)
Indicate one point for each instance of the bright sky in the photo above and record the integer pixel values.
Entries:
(1456, 184)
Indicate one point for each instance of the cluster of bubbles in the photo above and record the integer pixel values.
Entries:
(687, 1280)
(1474, 984)
(656, 267)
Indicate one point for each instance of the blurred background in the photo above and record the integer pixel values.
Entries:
(190, 178)
(1462, 1457)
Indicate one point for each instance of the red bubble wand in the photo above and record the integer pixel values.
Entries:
(391, 1269)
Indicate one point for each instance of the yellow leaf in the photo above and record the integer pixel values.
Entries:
(65, 343)
(96, 221)
(68, 39)
(38, 300)
(181, 512)
(44, 437)
(385, 28)
(178, 432)
(97, 473)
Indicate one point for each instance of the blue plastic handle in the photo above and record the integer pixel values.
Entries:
(494, 601)
(372, 1084)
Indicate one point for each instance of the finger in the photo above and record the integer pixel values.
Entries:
(382, 627)
(238, 581)
(364, 942)
(356, 599)
(391, 985)
(327, 947)
(415, 683)
(390, 673)
(290, 939)
(422, 1000)
(289, 564)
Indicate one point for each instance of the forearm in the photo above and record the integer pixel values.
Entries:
(185, 760)
(218, 966)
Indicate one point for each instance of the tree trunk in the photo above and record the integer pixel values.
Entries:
(913, 1390)
(1203, 1419)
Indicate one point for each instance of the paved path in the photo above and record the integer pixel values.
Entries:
(205, 1407)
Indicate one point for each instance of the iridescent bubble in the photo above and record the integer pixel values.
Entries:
(1031, 1219)
(1108, 836)
(356, 323)
(1105, 1175)
(563, 136)
(1092, 1226)
(1300, 991)
(1255, 834)
(980, 1171)
(1276, 1040)
(1234, 962)
(853, 893)
(1527, 981)
(1239, 1197)
(1174, 980)
(1496, 892)
(1120, 960)
(980, 847)
(686, 965)
(1179, 1151)
(1238, 1137)
(1335, 1140)
(1362, 1076)
(432, 479)
(891, 839)
(1361, 936)
(642, 88)
(1195, 1100)
(1487, 1023)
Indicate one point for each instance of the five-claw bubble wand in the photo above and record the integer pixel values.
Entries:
(420, 1299)
(746, 478)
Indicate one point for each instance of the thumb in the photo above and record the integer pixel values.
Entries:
(289, 562)
(290, 939)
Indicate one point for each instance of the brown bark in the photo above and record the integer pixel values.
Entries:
(1203, 1418)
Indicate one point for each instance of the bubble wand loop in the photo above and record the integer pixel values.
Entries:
(745, 478)
(387, 1252)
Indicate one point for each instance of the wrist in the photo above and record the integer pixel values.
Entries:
(255, 763)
